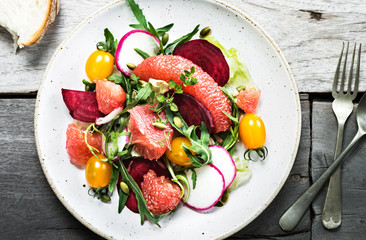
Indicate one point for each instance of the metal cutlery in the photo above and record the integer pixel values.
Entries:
(293, 215)
(342, 107)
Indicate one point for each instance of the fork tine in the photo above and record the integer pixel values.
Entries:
(354, 94)
(341, 89)
(351, 71)
(336, 75)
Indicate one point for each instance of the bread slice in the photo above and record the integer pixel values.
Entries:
(28, 20)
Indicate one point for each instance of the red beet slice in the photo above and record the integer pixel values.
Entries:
(208, 57)
(82, 105)
(193, 111)
(137, 168)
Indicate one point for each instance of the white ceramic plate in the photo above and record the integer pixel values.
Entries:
(279, 108)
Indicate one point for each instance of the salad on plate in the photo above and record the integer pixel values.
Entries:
(159, 121)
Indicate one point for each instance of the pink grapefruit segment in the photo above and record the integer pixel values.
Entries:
(76, 147)
(248, 99)
(149, 141)
(109, 96)
(166, 67)
(160, 193)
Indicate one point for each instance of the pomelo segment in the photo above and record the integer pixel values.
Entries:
(126, 53)
(109, 96)
(166, 67)
(160, 193)
(248, 99)
(76, 147)
(137, 168)
(208, 57)
(149, 141)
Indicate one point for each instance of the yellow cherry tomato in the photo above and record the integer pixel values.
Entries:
(176, 154)
(99, 65)
(97, 172)
(252, 131)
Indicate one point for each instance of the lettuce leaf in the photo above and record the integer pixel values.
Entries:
(239, 73)
(243, 173)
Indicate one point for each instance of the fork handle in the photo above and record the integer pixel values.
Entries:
(332, 211)
(293, 215)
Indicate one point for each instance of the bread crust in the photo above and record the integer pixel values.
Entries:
(52, 11)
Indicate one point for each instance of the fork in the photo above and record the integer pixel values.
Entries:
(342, 107)
(291, 218)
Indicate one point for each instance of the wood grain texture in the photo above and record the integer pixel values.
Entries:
(352, 174)
(30, 209)
(309, 33)
(266, 225)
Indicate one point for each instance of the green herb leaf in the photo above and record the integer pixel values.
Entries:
(118, 79)
(199, 145)
(113, 180)
(170, 47)
(231, 117)
(194, 178)
(143, 54)
(141, 203)
(110, 44)
(89, 86)
(122, 200)
(139, 15)
(231, 136)
(164, 29)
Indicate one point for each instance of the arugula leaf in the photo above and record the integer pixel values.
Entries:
(89, 86)
(231, 117)
(110, 44)
(154, 32)
(164, 29)
(199, 145)
(194, 178)
(143, 54)
(122, 200)
(141, 203)
(140, 17)
(170, 47)
(230, 137)
(113, 180)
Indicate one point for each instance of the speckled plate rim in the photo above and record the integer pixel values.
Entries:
(293, 85)
(298, 107)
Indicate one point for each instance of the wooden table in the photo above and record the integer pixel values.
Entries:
(310, 35)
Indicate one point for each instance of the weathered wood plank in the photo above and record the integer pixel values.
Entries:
(353, 186)
(266, 225)
(309, 33)
(29, 208)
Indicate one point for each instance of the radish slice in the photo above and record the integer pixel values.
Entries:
(109, 117)
(210, 185)
(222, 159)
(126, 54)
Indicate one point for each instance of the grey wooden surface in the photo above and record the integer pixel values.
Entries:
(310, 33)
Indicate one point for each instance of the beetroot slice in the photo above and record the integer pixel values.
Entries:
(137, 168)
(82, 105)
(193, 111)
(206, 55)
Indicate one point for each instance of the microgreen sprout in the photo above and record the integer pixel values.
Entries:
(261, 152)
